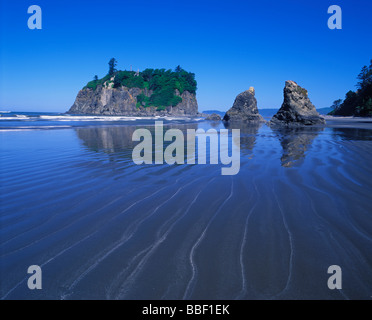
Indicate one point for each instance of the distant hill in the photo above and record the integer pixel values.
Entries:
(324, 110)
(267, 113)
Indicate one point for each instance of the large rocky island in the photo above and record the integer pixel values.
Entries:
(153, 92)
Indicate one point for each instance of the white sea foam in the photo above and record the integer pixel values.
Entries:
(108, 118)
(29, 128)
(18, 117)
(13, 130)
(8, 118)
(15, 117)
(88, 118)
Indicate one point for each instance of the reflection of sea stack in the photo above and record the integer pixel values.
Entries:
(248, 134)
(116, 139)
(295, 142)
(297, 108)
(108, 139)
(244, 108)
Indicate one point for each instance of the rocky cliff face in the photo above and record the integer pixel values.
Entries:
(106, 100)
(244, 108)
(297, 108)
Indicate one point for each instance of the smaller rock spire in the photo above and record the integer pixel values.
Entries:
(244, 108)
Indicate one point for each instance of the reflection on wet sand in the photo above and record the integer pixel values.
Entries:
(107, 139)
(248, 133)
(104, 229)
(353, 133)
(295, 142)
(116, 139)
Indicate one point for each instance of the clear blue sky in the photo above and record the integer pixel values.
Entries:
(229, 45)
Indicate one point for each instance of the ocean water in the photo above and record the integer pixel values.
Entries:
(101, 227)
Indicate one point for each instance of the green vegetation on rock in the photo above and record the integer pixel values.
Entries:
(128, 79)
(161, 87)
(94, 83)
(301, 91)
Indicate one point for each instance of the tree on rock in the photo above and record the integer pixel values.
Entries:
(112, 64)
(336, 104)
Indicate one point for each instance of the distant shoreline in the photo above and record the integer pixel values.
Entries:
(344, 118)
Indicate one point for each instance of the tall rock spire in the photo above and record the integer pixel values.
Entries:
(297, 108)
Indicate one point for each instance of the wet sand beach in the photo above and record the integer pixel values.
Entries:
(101, 227)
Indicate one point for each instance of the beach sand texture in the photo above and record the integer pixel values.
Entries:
(101, 227)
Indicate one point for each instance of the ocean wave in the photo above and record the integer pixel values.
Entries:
(8, 118)
(18, 117)
(28, 128)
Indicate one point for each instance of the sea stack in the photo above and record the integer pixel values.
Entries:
(297, 109)
(244, 108)
(107, 100)
(152, 92)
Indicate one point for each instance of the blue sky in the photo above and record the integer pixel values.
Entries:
(229, 45)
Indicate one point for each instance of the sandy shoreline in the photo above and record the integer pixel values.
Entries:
(354, 119)
(348, 122)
